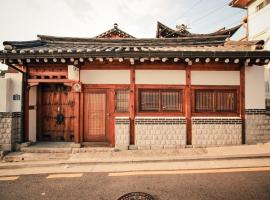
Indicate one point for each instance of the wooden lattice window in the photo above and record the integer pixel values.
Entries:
(122, 101)
(215, 101)
(160, 100)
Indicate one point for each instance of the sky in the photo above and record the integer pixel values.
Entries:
(24, 19)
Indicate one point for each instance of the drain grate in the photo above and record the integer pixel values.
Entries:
(136, 196)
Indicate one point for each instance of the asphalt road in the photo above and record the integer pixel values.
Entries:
(100, 186)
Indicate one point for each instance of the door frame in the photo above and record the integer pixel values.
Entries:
(109, 130)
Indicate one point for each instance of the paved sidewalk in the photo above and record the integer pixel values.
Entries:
(21, 159)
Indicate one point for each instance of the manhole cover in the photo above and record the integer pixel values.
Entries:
(136, 196)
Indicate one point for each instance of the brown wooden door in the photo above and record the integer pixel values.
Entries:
(96, 116)
(55, 113)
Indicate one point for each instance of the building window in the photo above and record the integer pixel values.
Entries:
(122, 101)
(215, 101)
(262, 5)
(160, 100)
(16, 97)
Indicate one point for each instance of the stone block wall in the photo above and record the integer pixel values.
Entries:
(216, 131)
(10, 130)
(257, 126)
(122, 137)
(160, 132)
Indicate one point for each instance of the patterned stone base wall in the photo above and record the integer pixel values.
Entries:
(160, 132)
(122, 132)
(257, 126)
(216, 131)
(10, 130)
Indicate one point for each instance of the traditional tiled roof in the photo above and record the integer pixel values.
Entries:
(115, 32)
(240, 3)
(164, 31)
(203, 46)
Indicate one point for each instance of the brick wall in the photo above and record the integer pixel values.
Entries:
(160, 132)
(216, 131)
(122, 132)
(10, 130)
(257, 126)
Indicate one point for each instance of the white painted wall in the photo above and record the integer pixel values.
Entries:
(259, 29)
(215, 77)
(33, 114)
(9, 86)
(105, 76)
(15, 87)
(258, 22)
(4, 96)
(254, 88)
(73, 73)
(172, 77)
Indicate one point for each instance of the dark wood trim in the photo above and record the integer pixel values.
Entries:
(235, 89)
(105, 86)
(81, 116)
(26, 113)
(132, 104)
(155, 86)
(242, 102)
(159, 66)
(188, 105)
(50, 81)
(214, 67)
(77, 117)
(161, 114)
(111, 110)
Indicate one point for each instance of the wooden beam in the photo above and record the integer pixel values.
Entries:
(242, 102)
(81, 116)
(77, 117)
(26, 109)
(132, 105)
(188, 104)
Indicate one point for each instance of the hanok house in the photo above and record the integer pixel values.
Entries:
(174, 90)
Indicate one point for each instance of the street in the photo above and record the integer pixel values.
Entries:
(84, 186)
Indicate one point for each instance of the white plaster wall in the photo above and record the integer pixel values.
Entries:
(33, 114)
(15, 87)
(258, 22)
(105, 76)
(73, 73)
(254, 88)
(4, 102)
(173, 77)
(215, 77)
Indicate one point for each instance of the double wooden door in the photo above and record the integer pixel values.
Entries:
(55, 113)
(97, 116)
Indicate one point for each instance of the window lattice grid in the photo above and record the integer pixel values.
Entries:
(160, 100)
(171, 100)
(122, 101)
(225, 101)
(204, 101)
(149, 100)
(215, 101)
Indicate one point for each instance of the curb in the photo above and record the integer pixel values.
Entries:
(208, 158)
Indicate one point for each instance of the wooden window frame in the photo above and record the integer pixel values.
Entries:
(140, 87)
(235, 89)
(115, 100)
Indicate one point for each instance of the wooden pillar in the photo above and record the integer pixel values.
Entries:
(81, 117)
(188, 105)
(132, 105)
(242, 102)
(77, 117)
(26, 113)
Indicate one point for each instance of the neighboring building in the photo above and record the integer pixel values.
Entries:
(258, 28)
(171, 91)
(10, 109)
